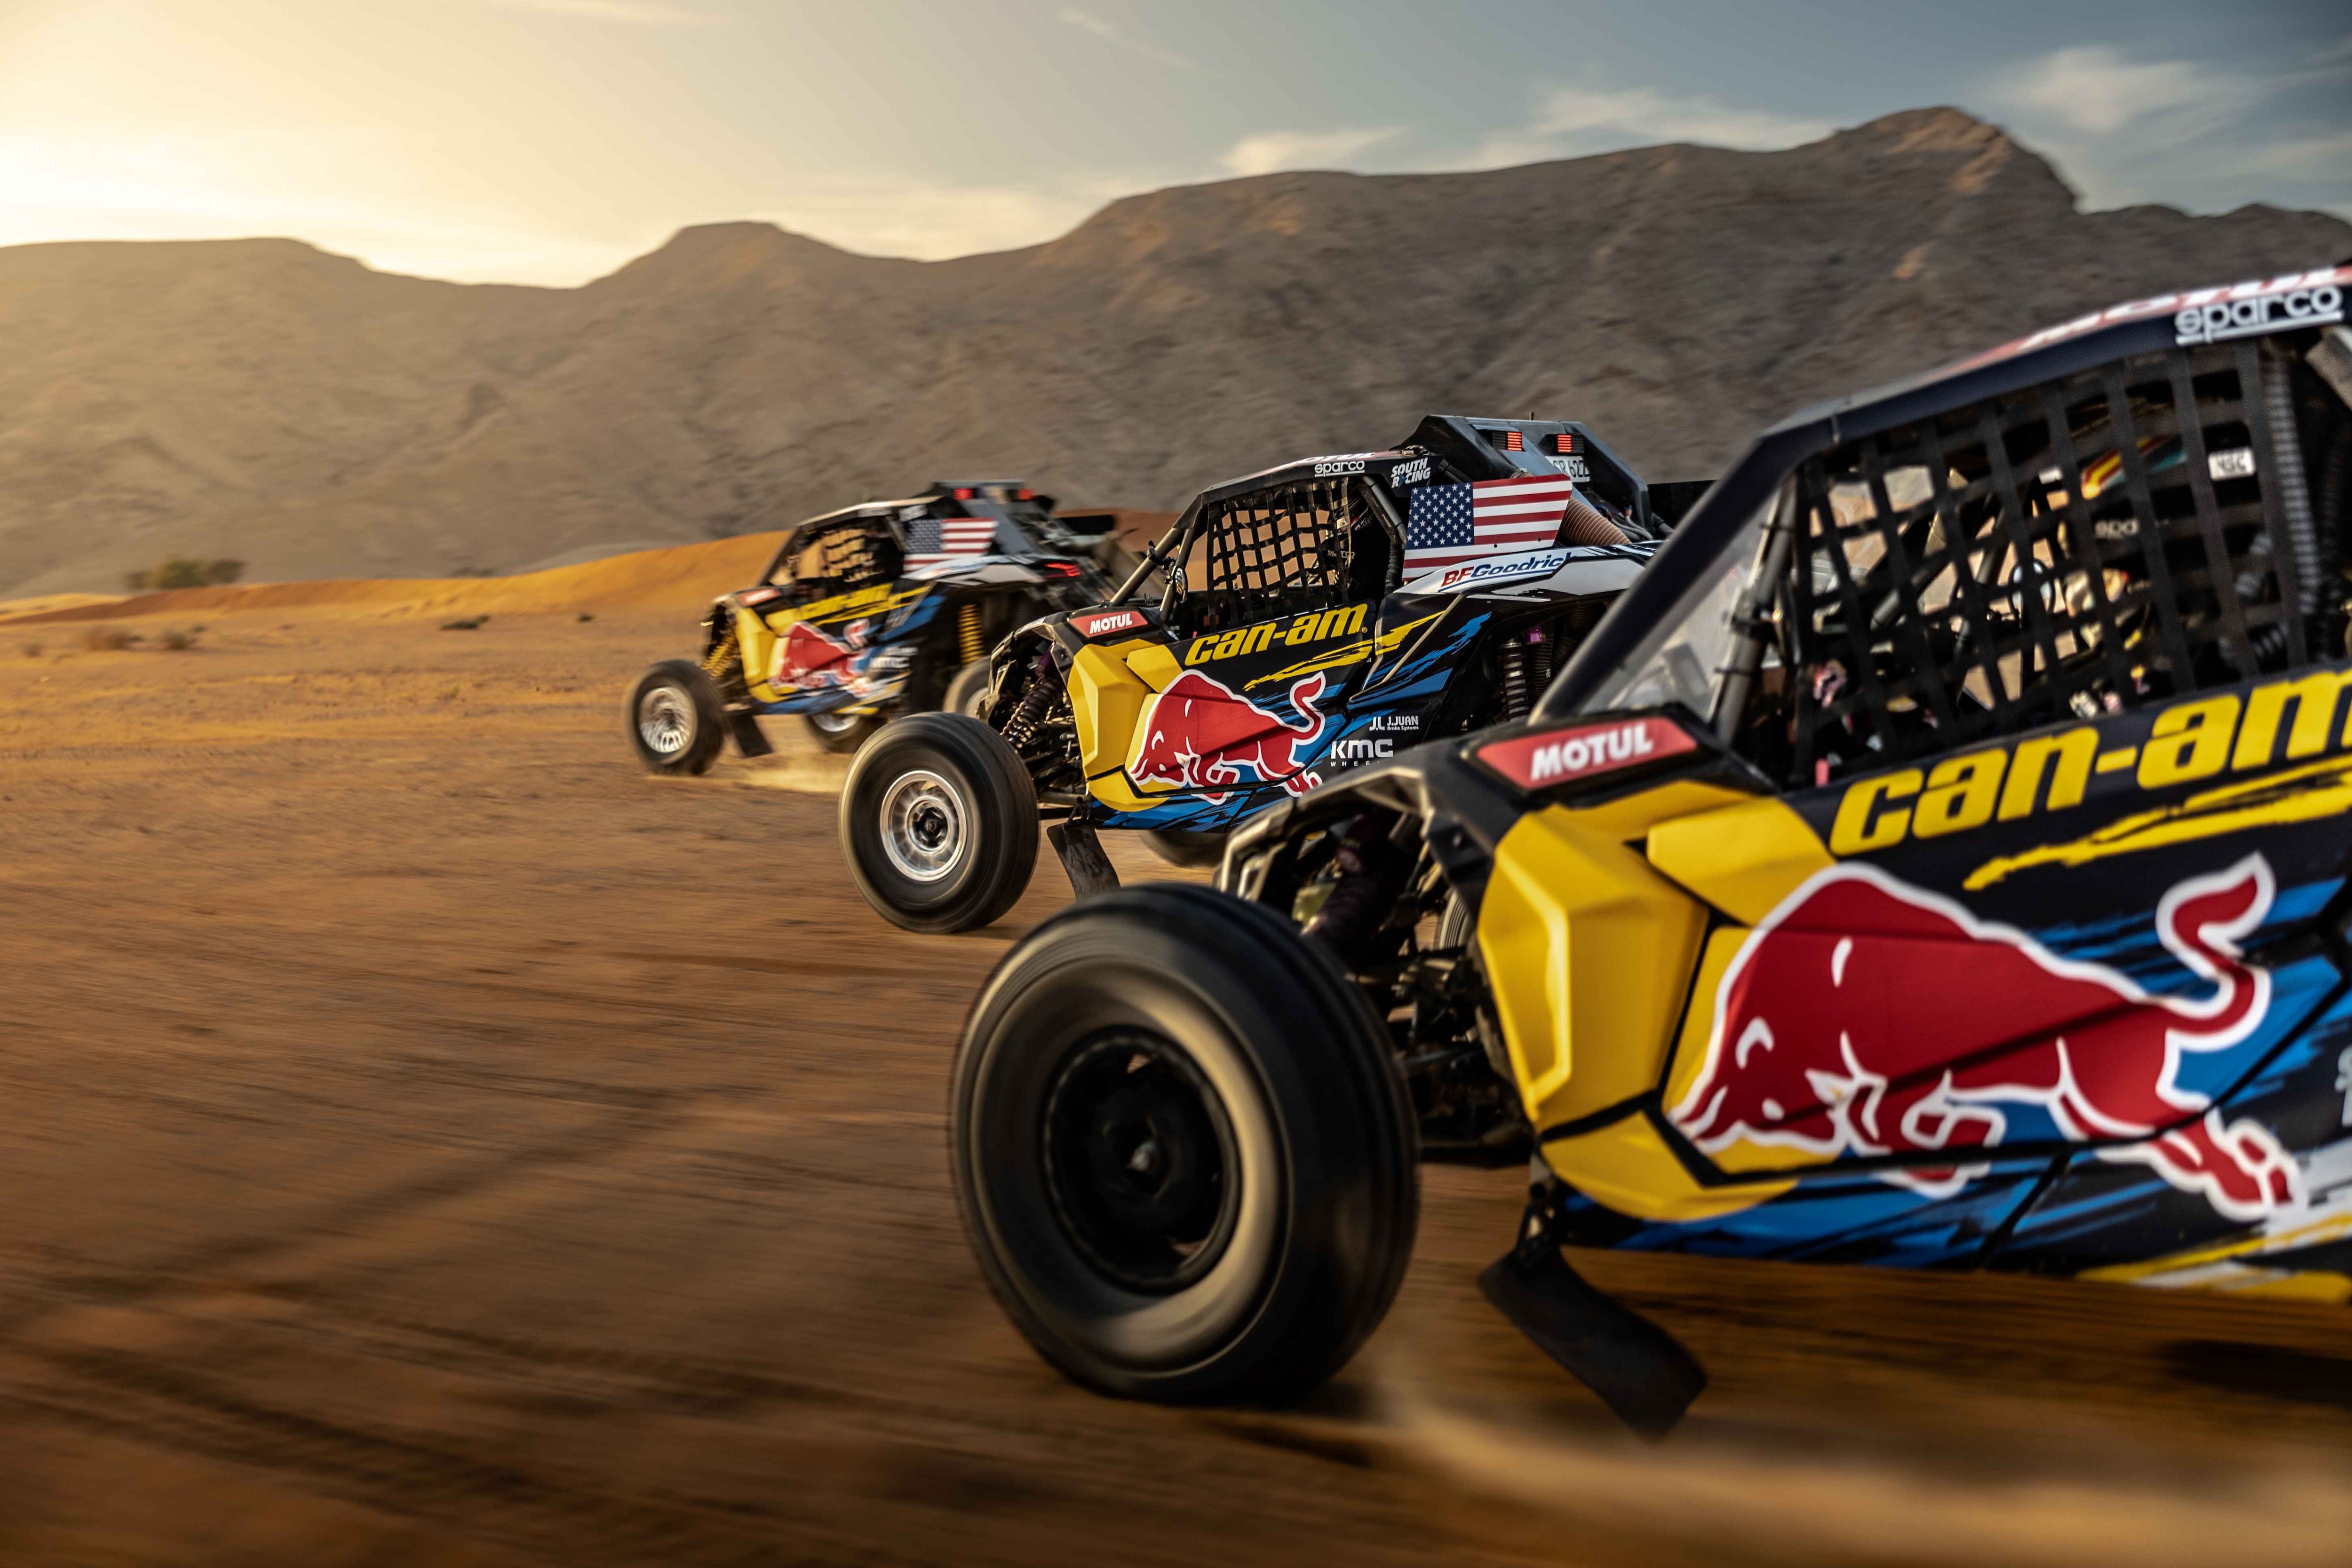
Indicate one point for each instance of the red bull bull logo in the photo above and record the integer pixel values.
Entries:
(1201, 734)
(1865, 1016)
(808, 658)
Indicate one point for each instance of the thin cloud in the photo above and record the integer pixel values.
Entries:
(1571, 122)
(637, 13)
(1271, 151)
(2183, 132)
(1087, 22)
(2094, 88)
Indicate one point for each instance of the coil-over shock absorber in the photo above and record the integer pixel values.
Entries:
(1035, 702)
(1515, 680)
(970, 641)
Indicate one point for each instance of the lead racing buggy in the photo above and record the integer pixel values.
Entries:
(1309, 619)
(882, 608)
(1937, 859)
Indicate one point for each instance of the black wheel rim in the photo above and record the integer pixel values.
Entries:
(1140, 1163)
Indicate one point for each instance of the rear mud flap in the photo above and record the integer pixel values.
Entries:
(1089, 869)
(749, 740)
(1639, 1370)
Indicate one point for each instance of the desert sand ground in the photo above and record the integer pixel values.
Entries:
(431, 1140)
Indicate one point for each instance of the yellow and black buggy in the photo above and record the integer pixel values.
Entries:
(1937, 858)
(883, 608)
(1293, 623)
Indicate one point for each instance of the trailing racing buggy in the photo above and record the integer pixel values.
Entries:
(1309, 619)
(1937, 858)
(881, 608)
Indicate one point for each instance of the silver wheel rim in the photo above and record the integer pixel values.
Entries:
(665, 721)
(923, 826)
(833, 723)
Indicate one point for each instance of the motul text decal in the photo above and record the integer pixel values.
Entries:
(1553, 756)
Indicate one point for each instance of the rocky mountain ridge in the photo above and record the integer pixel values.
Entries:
(263, 399)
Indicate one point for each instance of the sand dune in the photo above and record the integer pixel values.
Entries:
(680, 578)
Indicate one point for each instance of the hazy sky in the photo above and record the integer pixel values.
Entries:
(548, 141)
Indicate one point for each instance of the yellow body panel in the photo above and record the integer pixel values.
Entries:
(1589, 951)
(1743, 860)
(1632, 817)
(759, 646)
(1690, 1047)
(1107, 695)
(1628, 1166)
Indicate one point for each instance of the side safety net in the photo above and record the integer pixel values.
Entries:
(2141, 530)
(1307, 545)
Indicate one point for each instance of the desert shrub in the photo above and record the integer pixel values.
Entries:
(186, 572)
(30, 650)
(178, 641)
(107, 639)
(180, 572)
(474, 571)
(467, 624)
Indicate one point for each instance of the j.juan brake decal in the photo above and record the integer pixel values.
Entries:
(1553, 756)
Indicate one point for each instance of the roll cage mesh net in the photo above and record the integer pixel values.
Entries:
(1307, 544)
(858, 553)
(2076, 548)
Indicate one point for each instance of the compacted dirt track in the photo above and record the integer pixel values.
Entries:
(428, 1139)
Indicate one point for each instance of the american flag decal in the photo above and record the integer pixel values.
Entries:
(1448, 524)
(931, 541)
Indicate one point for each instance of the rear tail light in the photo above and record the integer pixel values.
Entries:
(1060, 569)
(1024, 494)
(1514, 442)
(1563, 444)
(965, 492)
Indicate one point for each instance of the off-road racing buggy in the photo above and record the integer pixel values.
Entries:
(1309, 619)
(882, 608)
(1936, 858)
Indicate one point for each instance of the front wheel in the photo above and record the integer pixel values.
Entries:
(842, 732)
(676, 721)
(1184, 1158)
(939, 820)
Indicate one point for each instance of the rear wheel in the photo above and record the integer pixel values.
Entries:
(968, 693)
(842, 732)
(676, 721)
(939, 822)
(1184, 1158)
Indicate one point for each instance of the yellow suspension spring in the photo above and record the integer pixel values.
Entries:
(719, 663)
(969, 634)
